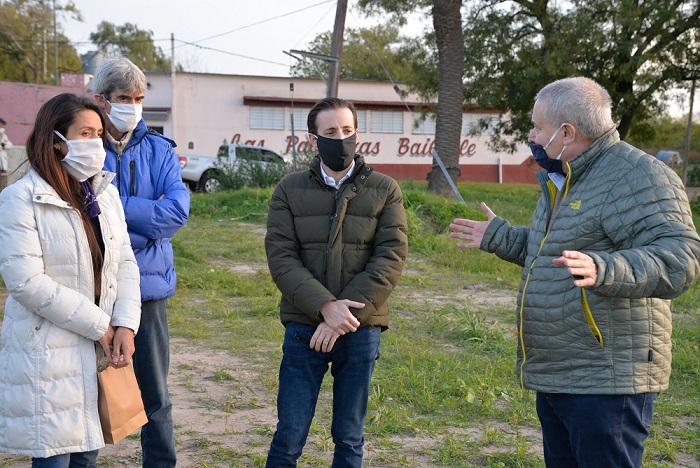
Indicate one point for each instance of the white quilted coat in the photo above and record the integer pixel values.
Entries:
(48, 377)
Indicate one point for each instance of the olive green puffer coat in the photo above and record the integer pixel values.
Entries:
(630, 213)
(324, 244)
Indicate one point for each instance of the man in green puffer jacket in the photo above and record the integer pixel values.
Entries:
(336, 242)
(611, 242)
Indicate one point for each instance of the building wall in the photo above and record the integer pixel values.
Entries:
(202, 111)
(19, 103)
(213, 109)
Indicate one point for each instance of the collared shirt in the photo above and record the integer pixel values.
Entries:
(330, 181)
(119, 145)
(558, 179)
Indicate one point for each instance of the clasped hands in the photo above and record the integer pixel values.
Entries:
(118, 345)
(337, 320)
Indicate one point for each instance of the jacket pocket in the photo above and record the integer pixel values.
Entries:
(589, 318)
(37, 334)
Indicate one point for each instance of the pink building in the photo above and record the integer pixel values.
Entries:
(201, 111)
(19, 103)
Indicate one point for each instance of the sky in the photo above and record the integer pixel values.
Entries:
(249, 35)
(239, 37)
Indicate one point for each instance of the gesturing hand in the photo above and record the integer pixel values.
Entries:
(470, 230)
(338, 316)
(580, 265)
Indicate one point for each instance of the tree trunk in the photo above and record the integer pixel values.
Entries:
(625, 122)
(447, 21)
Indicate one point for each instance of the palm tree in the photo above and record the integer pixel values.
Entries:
(447, 21)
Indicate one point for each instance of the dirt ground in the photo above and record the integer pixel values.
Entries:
(204, 410)
(221, 410)
(224, 416)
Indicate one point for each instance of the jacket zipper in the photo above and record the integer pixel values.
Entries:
(132, 179)
(552, 196)
(119, 176)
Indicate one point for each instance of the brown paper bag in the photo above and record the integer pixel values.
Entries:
(119, 403)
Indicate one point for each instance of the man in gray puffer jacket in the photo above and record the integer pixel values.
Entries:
(611, 242)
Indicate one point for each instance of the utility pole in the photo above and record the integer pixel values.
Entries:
(173, 94)
(687, 134)
(55, 46)
(337, 47)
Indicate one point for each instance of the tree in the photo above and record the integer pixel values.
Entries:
(636, 49)
(449, 41)
(27, 41)
(359, 61)
(131, 42)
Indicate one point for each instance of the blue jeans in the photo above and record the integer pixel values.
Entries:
(151, 365)
(352, 361)
(68, 460)
(594, 431)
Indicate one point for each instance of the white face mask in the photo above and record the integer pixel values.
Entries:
(2, 130)
(85, 158)
(125, 117)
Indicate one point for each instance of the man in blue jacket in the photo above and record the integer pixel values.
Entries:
(156, 204)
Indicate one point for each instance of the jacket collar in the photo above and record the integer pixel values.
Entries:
(362, 170)
(580, 163)
(45, 193)
(586, 158)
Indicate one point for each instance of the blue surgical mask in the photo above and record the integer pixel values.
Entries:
(539, 152)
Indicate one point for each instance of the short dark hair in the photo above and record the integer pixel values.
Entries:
(325, 104)
(2, 121)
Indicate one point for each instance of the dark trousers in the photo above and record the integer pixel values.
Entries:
(352, 362)
(151, 365)
(68, 460)
(594, 431)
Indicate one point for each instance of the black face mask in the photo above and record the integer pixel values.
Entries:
(337, 154)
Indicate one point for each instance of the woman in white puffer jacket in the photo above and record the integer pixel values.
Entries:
(67, 263)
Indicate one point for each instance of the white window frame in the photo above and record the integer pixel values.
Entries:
(387, 122)
(423, 125)
(266, 118)
(301, 115)
(472, 119)
(362, 121)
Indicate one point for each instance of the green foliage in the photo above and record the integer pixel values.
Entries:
(246, 203)
(27, 41)
(445, 383)
(359, 61)
(130, 41)
(636, 50)
(443, 392)
(667, 133)
(248, 173)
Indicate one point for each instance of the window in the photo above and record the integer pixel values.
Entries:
(472, 122)
(300, 118)
(269, 156)
(423, 125)
(387, 122)
(248, 154)
(266, 118)
(362, 121)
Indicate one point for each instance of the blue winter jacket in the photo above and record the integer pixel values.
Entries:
(156, 204)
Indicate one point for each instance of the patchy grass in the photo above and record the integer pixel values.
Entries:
(444, 392)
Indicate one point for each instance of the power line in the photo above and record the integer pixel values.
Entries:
(231, 53)
(262, 21)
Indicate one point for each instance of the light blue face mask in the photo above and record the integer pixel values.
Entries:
(539, 152)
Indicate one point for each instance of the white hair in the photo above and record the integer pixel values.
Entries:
(580, 102)
(118, 72)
